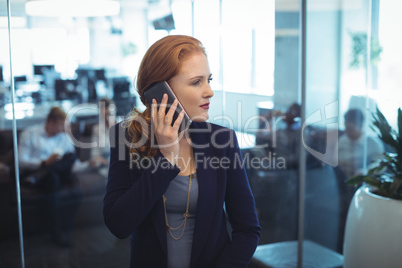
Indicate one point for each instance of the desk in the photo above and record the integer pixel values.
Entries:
(30, 114)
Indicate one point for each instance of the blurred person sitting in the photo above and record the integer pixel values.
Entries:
(46, 158)
(100, 154)
(351, 145)
(283, 141)
(287, 140)
(351, 157)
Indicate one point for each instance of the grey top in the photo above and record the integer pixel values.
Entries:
(179, 251)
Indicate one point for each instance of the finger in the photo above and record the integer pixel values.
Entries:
(154, 111)
(178, 121)
(170, 113)
(162, 109)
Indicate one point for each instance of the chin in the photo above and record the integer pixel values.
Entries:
(200, 118)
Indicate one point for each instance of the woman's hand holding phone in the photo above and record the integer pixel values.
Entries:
(167, 135)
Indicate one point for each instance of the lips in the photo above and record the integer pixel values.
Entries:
(205, 106)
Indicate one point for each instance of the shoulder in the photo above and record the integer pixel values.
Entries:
(213, 136)
(374, 141)
(211, 130)
(208, 127)
(33, 130)
(37, 127)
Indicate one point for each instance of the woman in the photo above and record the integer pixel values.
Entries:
(170, 191)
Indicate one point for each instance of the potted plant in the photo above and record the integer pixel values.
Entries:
(373, 233)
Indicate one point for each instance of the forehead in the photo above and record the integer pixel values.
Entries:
(195, 64)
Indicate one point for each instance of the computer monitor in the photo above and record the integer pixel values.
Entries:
(20, 79)
(66, 89)
(86, 78)
(125, 106)
(84, 72)
(41, 69)
(100, 74)
(122, 97)
(121, 87)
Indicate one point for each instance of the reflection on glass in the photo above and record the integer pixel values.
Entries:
(74, 62)
(355, 78)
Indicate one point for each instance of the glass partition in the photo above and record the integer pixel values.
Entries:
(57, 64)
(73, 62)
(11, 246)
(348, 67)
(325, 195)
(285, 75)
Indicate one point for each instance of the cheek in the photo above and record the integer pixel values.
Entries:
(191, 103)
(187, 100)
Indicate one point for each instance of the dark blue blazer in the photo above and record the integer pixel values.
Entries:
(133, 201)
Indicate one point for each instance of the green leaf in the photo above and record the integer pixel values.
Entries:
(386, 175)
(356, 180)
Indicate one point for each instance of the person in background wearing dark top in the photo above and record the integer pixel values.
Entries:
(288, 139)
(282, 141)
(46, 158)
(351, 156)
(351, 145)
(100, 154)
(171, 192)
(351, 152)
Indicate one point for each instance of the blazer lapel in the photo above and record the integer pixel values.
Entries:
(207, 189)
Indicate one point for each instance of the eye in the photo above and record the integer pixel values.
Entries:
(196, 82)
(210, 79)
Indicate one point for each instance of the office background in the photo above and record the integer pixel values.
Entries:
(260, 67)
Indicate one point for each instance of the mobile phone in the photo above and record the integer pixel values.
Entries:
(156, 92)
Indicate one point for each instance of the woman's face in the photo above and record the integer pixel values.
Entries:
(191, 86)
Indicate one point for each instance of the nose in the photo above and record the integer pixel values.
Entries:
(208, 93)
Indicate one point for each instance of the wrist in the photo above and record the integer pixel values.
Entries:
(170, 157)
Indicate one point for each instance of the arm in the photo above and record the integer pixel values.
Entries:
(131, 194)
(241, 209)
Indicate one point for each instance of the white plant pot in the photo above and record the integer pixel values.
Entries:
(373, 234)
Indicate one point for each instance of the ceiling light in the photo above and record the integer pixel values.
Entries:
(72, 8)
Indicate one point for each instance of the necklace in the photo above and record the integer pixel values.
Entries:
(186, 215)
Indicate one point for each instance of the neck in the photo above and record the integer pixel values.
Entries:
(186, 161)
(185, 138)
